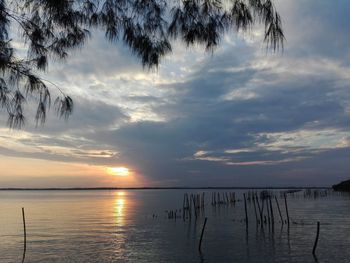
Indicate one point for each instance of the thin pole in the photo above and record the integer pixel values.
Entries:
(260, 211)
(194, 206)
(183, 203)
(262, 207)
(316, 240)
(268, 210)
(245, 209)
(190, 206)
(285, 202)
(24, 235)
(256, 215)
(24, 228)
(203, 198)
(279, 210)
(272, 217)
(200, 241)
(183, 207)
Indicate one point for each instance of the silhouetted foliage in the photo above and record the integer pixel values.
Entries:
(343, 186)
(49, 29)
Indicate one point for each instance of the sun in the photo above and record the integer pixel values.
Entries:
(119, 171)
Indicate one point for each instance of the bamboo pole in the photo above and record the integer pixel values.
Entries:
(260, 210)
(200, 241)
(190, 207)
(256, 214)
(194, 206)
(316, 240)
(183, 207)
(285, 202)
(279, 210)
(245, 209)
(203, 200)
(24, 228)
(183, 202)
(262, 207)
(24, 235)
(271, 209)
(268, 210)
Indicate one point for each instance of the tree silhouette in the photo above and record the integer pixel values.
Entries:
(49, 29)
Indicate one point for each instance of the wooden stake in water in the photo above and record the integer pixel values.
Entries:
(260, 210)
(245, 209)
(183, 203)
(316, 240)
(268, 210)
(24, 228)
(256, 214)
(203, 199)
(24, 235)
(200, 241)
(184, 207)
(271, 212)
(279, 210)
(190, 207)
(285, 202)
(194, 206)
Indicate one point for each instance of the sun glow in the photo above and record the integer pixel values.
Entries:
(119, 171)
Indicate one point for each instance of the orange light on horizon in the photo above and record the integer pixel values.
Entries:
(119, 171)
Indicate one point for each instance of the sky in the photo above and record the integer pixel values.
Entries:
(240, 116)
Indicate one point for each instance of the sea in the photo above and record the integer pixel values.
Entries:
(157, 225)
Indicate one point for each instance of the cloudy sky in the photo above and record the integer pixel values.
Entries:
(237, 117)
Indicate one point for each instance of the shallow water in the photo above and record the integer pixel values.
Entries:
(132, 226)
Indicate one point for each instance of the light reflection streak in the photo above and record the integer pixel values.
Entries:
(119, 209)
(119, 219)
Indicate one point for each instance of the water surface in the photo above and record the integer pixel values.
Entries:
(133, 226)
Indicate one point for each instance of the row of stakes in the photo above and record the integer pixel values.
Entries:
(262, 203)
(196, 203)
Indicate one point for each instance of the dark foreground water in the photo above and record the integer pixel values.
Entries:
(132, 226)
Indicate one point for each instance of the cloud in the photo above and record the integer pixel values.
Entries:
(237, 117)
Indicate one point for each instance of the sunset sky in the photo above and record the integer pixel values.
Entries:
(237, 117)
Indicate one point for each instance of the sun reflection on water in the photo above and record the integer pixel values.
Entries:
(120, 203)
(119, 209)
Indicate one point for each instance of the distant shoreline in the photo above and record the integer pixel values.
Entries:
(156, 188)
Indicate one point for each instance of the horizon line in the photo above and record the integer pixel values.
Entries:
(157, 188)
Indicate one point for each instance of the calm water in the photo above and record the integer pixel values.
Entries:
(119, 226)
